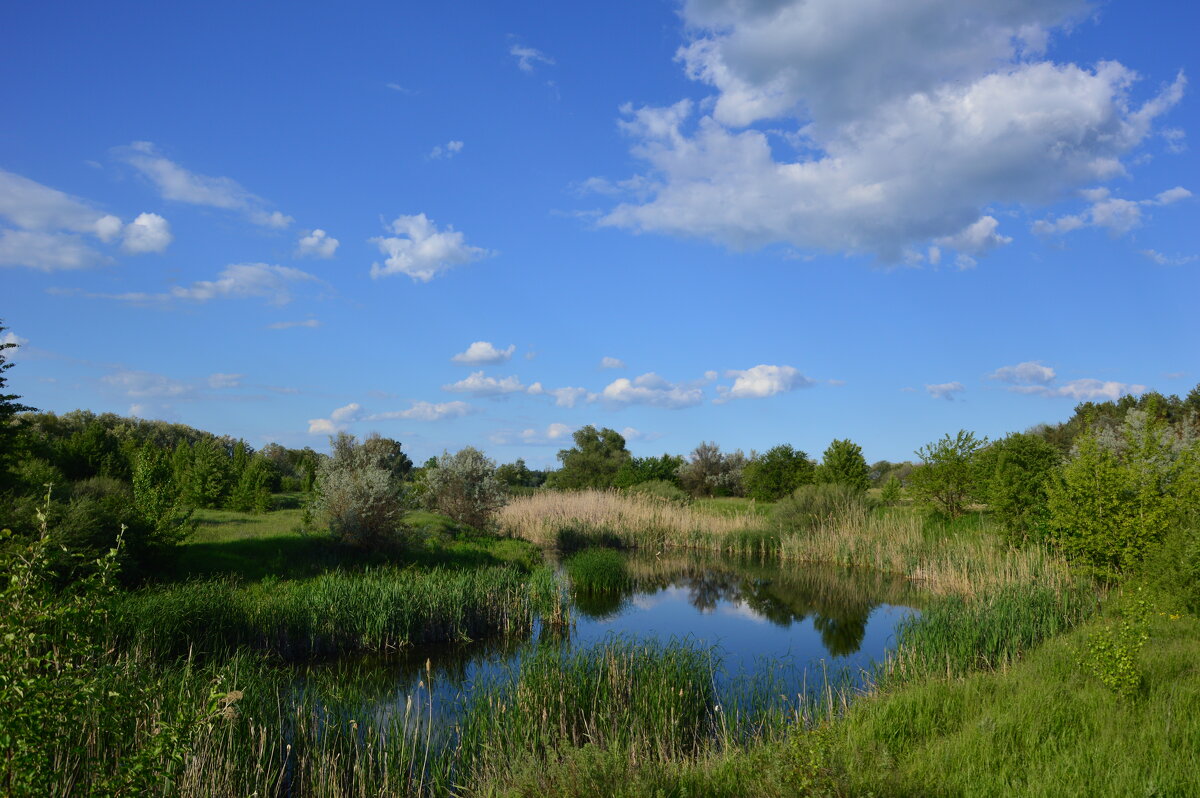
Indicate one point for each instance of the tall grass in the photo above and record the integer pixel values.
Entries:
(627, 520)
(336, 613)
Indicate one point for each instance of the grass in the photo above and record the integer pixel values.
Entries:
(598, 570)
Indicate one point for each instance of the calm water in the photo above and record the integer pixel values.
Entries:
(794, 626)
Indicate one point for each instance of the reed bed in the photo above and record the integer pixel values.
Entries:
(550, 517)
(946, 562)
(337, 613)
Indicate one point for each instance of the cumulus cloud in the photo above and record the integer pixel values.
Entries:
(448, 150)
(1117, 215)
(337, 421)
(238, 281)
(174, 182)
(149, 232)
(528, 58)
(906, 123)
(552, 434)
(51, 225)
(762, 381)
(483, 353)
(422, 251)
(11, 343)
(1035, 379)
(316, 244)
(612, 363)
(480, 385)
(1031, 372)
(651, 389)
(563, 397)
(426, 411)
(945, 390)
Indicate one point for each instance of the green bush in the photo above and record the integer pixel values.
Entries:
(812, 505)
(598, 570)
(464, 486)
(660, 489)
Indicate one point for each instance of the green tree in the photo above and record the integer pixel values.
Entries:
(252, 492)
(1014, 473)
(594, 460)
(358, 498)
(9, 407)
(208, 475)
(649, 469)
(843, 464)
(891, 492)
(711, 472)
(777, 473)
(948, 478)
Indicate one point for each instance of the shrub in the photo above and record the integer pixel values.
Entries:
(777, 473)
(464, 486)
(660, 489)
(948, 479)
(891, 492)
(1014, 474)
(359, 499)
(843, 464)
(812, 505)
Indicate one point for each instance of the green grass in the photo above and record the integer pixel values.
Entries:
(598, 570)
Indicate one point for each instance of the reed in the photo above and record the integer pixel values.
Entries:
(627, 520)
(337, 613)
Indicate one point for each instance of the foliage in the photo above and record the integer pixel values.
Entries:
(594, 460)
(843, 464)
(359, 498)
(773, 475)
(660, 489)
(711, 472)
(464, 486)
(891, 492)
(948, 478)
(810, 506)
(1113, 649)
(155, 496)
(209, 475)
(519, 475)
(252, 493)
(649, 469)
(1013, 473)
(598, 569)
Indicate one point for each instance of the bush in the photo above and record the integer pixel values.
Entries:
(598, 569)
(812, 505)
(464, 486)
(361, 500)
(948, 478)
(660, 489)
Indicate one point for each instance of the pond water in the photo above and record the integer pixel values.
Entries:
(796, 627)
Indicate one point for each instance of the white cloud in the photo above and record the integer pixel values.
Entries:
(51, 224)
(45, 252)
(321, 426)
(426, 411)
(479, 385)
(1170, 195)
(945, 390)
(1085, 389)
(1031, 372)
(563, 397)
(448, 150)
(762, 381)
(908, 121)
(552, 434)
(399, 88)
(337, 421)
(12, 343)
(483, 353)
(237, 281)
(144, 384)
(149, 232)
(287, 325)
(977, 238)
(174, 182)
(1169, 260)
(612, 363)
(651, 389)
(316, 244)
(221, 381)
(423, 251)
(1119, 216)
(528, 58)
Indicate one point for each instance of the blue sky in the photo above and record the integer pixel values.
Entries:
(748, 221)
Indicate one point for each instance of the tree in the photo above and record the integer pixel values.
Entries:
(1014, 472)
(709, 472)
(9, 407)
(777, 473)
(948, 478)
(843, 464)
(464, 486)
(388, 455)
(594, 460)
(359, 498)
(649, 469)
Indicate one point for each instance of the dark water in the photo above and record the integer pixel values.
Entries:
(794, 626)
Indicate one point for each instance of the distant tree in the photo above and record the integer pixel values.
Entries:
(156, 497)
(948, 478)
(649, 469)
(778, 472)
(358, 498)
(208, 480)
(843, 464)
(710, 472)
(464, 486)
(252, 491)
(519, 475)
(389, 455)
(9, 407)
(594, 460)
(891, 492)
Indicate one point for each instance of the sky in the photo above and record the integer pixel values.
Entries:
(752, 222)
